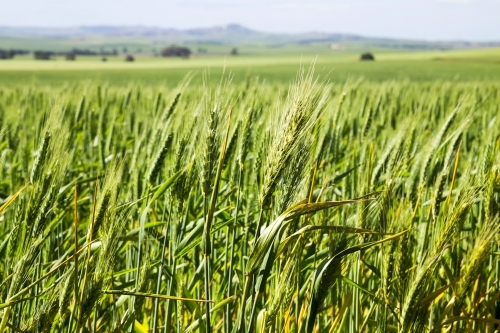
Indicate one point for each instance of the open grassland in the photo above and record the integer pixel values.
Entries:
(249, 206)
(337, 66)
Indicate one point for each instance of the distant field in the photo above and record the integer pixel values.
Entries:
(336, 66)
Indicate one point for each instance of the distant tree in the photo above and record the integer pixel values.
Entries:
(70, 56)
(104, 59)
(129, 58)
(42, 55)
(176, 51)
(85, 52)
(367, 56)
(124, 50)
(114, 52)
(7, 54)
(234, 51)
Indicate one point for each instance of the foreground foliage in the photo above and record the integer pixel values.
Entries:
(255, 207)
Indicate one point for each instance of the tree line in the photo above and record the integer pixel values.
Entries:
(9, 54)
(169, 51)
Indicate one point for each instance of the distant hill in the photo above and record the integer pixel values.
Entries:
(229, 34)
(220, 34)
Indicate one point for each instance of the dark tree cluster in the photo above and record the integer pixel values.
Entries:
(93, 53)
(129, 58)
(367, 56)
(83, 52)
(176, 51)
(43, 55)
(71, 55)
(9, 54)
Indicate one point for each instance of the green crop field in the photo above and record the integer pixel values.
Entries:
(251, 194)
(336, 66)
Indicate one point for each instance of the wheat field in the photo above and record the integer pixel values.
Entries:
(250, 207)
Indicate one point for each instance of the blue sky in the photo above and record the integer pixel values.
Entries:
(476, 20)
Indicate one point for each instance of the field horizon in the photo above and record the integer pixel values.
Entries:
(336, 66)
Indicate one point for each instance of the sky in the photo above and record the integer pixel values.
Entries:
(473, 20)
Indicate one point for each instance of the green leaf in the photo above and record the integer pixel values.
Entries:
(272, 233)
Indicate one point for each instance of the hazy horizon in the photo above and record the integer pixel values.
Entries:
(244, 26)
(432, 20)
